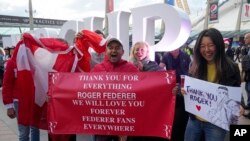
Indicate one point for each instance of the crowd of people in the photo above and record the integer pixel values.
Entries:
(5, 55)
(208, 61)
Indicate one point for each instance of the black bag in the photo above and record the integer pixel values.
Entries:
(245, 63)
(244, 50)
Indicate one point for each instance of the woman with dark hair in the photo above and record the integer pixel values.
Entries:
(210, 64)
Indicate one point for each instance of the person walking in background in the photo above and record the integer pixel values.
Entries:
(246, 73)
(7, 53)
(228, 49)
(113, 62)
(238, 54)
(2, 54)
(10, 100)
(179, 61)
(210, 64)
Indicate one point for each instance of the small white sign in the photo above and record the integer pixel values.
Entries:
(215, 103)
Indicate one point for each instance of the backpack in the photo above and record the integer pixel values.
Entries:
(245, 63)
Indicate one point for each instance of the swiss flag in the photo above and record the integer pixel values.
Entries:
(35, 58)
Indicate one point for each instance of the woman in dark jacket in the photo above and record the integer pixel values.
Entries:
(210, 64)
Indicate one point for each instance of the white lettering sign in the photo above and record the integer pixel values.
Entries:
(177, 27)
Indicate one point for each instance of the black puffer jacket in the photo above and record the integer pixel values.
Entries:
(151, 66)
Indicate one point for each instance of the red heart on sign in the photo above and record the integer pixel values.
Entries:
(198, 107)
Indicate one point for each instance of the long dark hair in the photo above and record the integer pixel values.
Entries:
(199, 65)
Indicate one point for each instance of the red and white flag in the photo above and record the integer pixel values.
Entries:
(35, 58)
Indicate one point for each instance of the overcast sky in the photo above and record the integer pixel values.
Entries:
(78, 9)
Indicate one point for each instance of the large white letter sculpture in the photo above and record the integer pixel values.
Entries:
(69, 29)
(93, 23)
(119, 28)
(177, 26)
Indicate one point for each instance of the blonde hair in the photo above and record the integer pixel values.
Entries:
(141, 43)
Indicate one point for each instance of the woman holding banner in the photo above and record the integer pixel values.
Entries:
(210, 64)
(139, 56)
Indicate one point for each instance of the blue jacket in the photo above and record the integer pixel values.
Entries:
(181, 64)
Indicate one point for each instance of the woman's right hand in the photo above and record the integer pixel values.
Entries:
(177, 90)
(183, 91)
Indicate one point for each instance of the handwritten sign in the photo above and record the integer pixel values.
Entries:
(215, 103)
(134, 104)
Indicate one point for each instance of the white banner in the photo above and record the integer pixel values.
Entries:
(215, 103)
(245, 16)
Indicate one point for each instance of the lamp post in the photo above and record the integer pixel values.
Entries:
(109, 8)
(238, 24)
(207, 15)
(31, 15)
(239, 17)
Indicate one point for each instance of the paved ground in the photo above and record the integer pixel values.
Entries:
(8, 127)
(9, 132)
